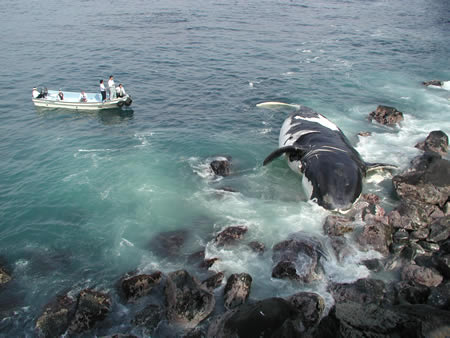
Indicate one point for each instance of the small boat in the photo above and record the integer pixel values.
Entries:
(72, 100)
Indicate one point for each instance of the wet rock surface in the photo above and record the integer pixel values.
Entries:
(436, 83)
(169, 244)
(221, 167)
(237, 289)
(141, 285)
(230, 235)
(188, 302)
(386, 115)
(436, 142)
(56, 317)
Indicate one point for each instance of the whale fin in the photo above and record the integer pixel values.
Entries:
(276, 105)
(380, 166)
(291, 150)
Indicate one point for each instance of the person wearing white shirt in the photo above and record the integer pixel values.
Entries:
(103, 90)
(112, 88)
(35, 93)
(120, 91)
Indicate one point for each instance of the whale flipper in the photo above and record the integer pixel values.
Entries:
(379, 166)
(291, 150)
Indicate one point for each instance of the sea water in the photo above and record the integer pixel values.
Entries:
(82, 194)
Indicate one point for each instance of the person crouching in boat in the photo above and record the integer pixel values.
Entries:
(60, 96)
(120, 91)
(83, 97)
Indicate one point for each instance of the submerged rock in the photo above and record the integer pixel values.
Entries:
(436, 83)
(257, 247)
(386, 115)
(168, 244)
(141, 285)
(149, 318)
(297, 258)
(92, 307)
(436, 142)
(5, 277)
(237, 290)
(56, 317)
(221, 167)
(188, 302)
(230, 235)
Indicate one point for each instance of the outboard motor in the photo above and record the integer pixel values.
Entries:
(128, 101)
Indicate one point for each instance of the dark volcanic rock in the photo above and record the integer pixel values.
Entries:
(337, 225)
(214, 281)
(386, 115)
(436, 141)
(370, 320)
(56, 317)
(230, 235)
(138, 286)
(362, 291)
(440, 296)
(198, 258)
(442, 262)
(428, 182)
(257, 247)
(440, 229)
(92, 307)
(421, 275)
(237, 290)
(297, 258)
(260, 319)
(377, 236)
(436, 83)
(412, 293)
(149, 318)
(221, 167)
(188, 302)
(310, 307)
(168, 244)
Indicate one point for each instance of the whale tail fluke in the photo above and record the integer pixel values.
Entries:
(277, 105)
(379, 166)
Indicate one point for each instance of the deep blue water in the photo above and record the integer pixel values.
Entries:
(82, 194)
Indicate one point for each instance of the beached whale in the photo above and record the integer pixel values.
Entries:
(332, 170)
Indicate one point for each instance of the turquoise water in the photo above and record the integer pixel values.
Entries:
(82, 194)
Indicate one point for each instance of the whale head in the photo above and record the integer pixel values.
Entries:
(336, 181)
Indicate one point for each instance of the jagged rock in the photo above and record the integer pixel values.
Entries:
(370, 320)
(377, 236)
(5, 277)
(364, 133)
(436, 83)
(195, 333)
(297, 258)
(92, 307)
(335, 225)
(168, 244)
(141, 285)
(411, 215)
(310, 307)
(260, 319)
(386, 115)
(440, 296)
(56, 317)
(436, 141)
(412, 293)
(257, 247)
(362, 291)
(149, 318)
(198, 258)
(428, 182)
(440, 229)
(421, 275)
(188, 302)
(230, 235)
(373, 264)
(237, 290)
(221, 167)
(341, 247)
(442, 262)
(214, 281)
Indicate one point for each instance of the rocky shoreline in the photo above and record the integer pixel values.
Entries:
(412, 241)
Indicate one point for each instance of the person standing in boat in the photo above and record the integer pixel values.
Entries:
(35, 93)
(103, 90)
(112, 88)
(60, 95)
(120, 91)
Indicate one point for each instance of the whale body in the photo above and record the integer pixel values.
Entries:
(332, 170)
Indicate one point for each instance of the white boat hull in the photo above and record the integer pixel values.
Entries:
(72, 101)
